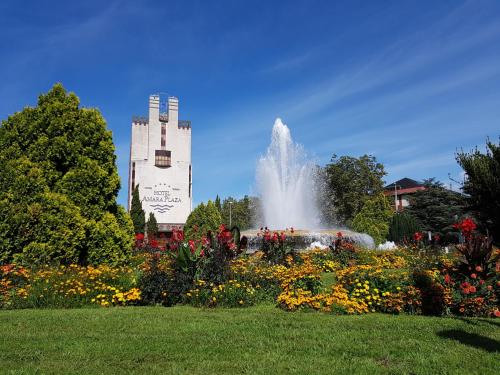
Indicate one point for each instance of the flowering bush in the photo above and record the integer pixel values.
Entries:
(233, 293)
(343, 250)
(71, 286)
(274, 246)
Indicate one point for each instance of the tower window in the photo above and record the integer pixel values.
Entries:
(163, 158)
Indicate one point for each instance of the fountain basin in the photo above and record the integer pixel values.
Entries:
(302, 240)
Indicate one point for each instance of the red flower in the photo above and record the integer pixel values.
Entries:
(466, 226)
(437, 238)
(418, 236)
(267, 236)
(447, 279)
(339, 234)
(481, 282)
(283, 236)
(222, 228)
(275, 237)
(205, 241)
(153, 243)
(472, 289)
(191, 246)
(496, 313)
(177, 235)
(139, 236)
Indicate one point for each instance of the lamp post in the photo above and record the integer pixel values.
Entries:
(230, 214)
(396, 197)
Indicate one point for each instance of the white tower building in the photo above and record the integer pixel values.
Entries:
(160, 163)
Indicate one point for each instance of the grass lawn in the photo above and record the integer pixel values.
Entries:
(258, 340)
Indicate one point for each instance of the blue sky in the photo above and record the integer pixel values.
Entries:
(407, 81)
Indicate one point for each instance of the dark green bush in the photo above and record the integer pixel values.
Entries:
(402, 227)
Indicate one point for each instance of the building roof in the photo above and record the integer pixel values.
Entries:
(404, 183)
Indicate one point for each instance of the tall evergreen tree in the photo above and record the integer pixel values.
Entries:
(482, 185)
(217, 203)
(136, 212)
(152, 226)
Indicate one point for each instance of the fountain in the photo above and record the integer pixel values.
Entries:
(285, 181)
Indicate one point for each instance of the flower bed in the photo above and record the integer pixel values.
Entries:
(215, 272)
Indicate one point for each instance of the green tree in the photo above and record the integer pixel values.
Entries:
(152, 226)
(202, 219)
(374, 218)
(346, 183)
(59, 183)
(238, 213)
(482, 185)
(437, 208)
(217, 203)
(136, 212)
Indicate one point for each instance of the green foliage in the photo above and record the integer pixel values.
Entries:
(238, 213)
(155, 283)
(374, 218)
(437, 209)
(402, 227)
(220, 250)
(152, 226)
(136, 212)
(57, 182)
(483, 185)
(218, 204)
(345, 185)
(202, 219)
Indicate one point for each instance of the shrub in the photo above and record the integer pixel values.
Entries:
(233, 293)
(68, 286)
(343, 251)
(218, 252)
(58, 180)
(374, 217)
(203, 219)
(402, 227)
(274, 247)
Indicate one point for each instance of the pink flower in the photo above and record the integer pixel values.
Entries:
(472, 289)
(283, 236)
(496, 313)
(473, 275)
(489, 287)
(479, 269)
(191, 246)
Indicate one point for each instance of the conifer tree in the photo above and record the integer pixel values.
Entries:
(136, 212)
(152, 226)
(218, 204)
(482, 185)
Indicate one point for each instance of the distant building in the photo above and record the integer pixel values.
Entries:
(401, 191)
(160, 163)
